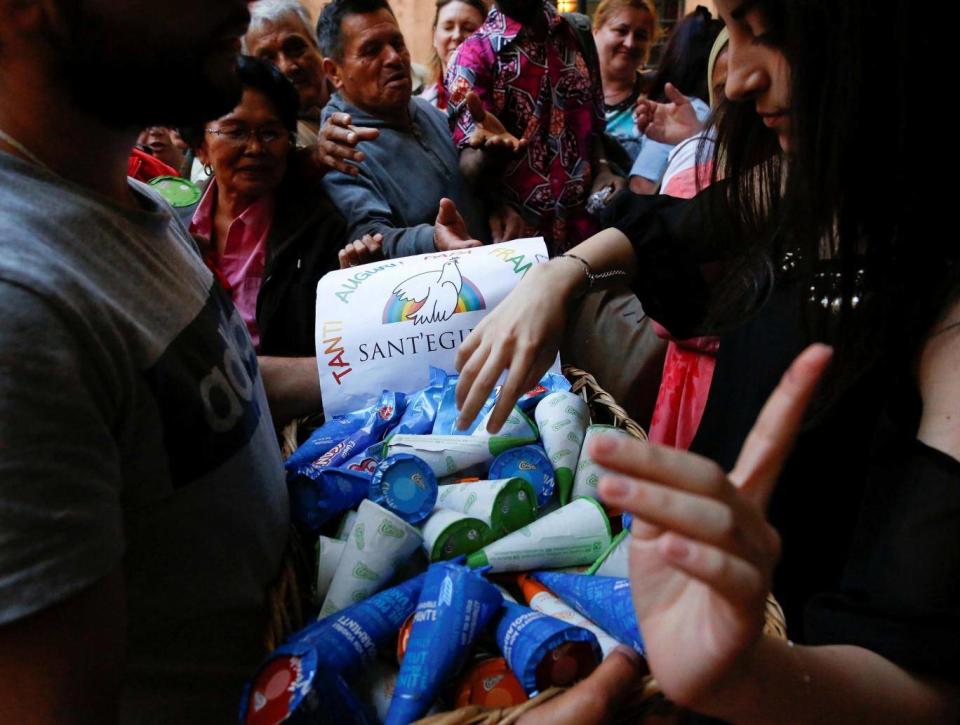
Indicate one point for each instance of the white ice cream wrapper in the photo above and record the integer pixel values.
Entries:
(444, 454)
(550, 604)
(563, 418)
(479, 499)
(617, 561)
(589, 471)
(329, 552)
(439, 522)
(517, 425)
(346, 525)
(379, 541)
(573, 535)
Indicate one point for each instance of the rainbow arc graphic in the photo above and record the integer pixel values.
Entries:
(469, 300)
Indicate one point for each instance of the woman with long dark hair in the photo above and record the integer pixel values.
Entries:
(844, 499)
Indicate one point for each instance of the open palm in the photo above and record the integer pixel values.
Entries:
(702, 554)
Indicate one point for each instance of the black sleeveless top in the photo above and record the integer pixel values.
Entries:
(869, 516)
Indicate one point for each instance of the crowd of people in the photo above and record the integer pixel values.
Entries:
(157, 335)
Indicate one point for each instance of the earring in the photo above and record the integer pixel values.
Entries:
(208, 169)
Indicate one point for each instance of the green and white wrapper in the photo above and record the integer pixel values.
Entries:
(563, 419)
(346, 525)
(573, 535)
(447, 534)
(517, 425)
(449, 454)
(329, 552)
(504, 505)
(589, 471)
(617, 561)
(379, 542)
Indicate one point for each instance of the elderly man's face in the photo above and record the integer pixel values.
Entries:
(131, 66)
(288, 45)
(375, 71)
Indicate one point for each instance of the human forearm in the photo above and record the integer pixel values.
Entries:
(292, 385)
(780, 683)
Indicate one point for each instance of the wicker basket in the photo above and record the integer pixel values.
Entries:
(288, 602)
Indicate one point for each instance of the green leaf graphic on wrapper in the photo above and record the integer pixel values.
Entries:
(573, 411)
(593, 479)
(388, 529)
(573, 437)
(358, 535)
(561, 424)
(559, 456)
(471, 500)
(359, 595)
(362, 571)
(451, 465)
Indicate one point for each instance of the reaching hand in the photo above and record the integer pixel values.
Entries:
(490, 133)
(360, 251)
(670, 122)
(336, 144)
(702, 553)
(449, 229)
(507, 224)
(521, 334)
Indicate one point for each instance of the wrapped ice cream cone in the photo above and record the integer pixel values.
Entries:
(589, 471)
(563, 419)
(543, 600)
(614, 561)
(572, 535)
(543, 651)
(604, 600)
(346, 525)
(489, 683)
(455, 605)
(529, 463)
(405, 485)
(302, 677)
(504, 506)
(328, 553)
(292, 687)
(449, 454)
(447, 534)
(378, 542)
(517, 425)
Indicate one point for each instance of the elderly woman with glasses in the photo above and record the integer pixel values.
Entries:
(268, 232)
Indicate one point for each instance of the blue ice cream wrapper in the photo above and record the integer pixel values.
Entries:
(347, 641)
(625, 521)
(526, 637)
(447, 412)
(319, 496)
(405, 485)
(307, 692)
(604, 600)
(455, 605)
(387, 413)
(327, 436)
(530, 463)
(550, 383)
(420, 413)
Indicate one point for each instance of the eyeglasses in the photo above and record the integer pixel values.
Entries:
(239, 136)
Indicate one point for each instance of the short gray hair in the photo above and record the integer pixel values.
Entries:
(273, 11)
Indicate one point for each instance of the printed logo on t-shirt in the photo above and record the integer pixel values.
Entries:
(206, 391)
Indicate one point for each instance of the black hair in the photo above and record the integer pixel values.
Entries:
(847, 196)
(330, 23)
(266, 78)
(686, 55)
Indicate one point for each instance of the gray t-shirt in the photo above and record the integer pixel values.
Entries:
(134, 429)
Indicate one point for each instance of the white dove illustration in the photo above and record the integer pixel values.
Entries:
(436, 291)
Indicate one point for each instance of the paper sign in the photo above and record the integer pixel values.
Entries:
(382, 325)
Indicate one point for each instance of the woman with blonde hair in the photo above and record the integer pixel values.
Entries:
(454, 22)
(624, 31)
